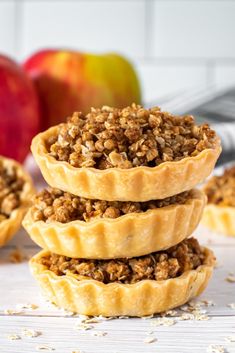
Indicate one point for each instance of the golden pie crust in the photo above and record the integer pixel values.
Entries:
(115, 184)
(219, 219)
(146, 297)
(12, 224)
(130, 235)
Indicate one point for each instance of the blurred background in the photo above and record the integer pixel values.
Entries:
(176, 45)
(183, 50)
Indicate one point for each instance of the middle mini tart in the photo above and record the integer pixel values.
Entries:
(76, 227)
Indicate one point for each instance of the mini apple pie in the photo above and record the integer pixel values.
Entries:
(134, 287)
(16, 190)
(73, 226)
(131, 154)
(219, 214)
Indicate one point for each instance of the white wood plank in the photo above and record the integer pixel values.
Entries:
(122, 335)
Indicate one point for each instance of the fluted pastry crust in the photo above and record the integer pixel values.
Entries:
(219, 219)
(11, 225)
(130, 235)
(115, 184)
(90, 297)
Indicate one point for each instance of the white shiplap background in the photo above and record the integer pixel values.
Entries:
(176, 44)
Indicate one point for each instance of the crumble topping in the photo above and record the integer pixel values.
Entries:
(220, 190)
(160, 265)
(56, 205)
(129, 137)
(11, 187)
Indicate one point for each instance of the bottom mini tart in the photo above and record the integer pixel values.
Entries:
(134, 287)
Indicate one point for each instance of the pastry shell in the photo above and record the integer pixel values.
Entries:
(130, 235)
(219, 219)
(90, 297)
(12, 224)
(115, 184)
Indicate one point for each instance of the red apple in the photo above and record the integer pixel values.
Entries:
(68, 81)
(19, 110)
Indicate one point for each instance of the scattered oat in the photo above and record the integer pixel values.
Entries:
(185, 308)
(215, 349)
(83, 327)
(99, 334)
(27, 306)
(171, 313)
(163, 322)
(92, 320)
(230, 279)
(31, 333)
(45, 348)
(13, 312)
(123, 317)
(14, 337)
(150, 340)
(193, 304)
(208, 302)
(82, 318)
(193, 310)
(231, 305)
(147, 317)
(230, 338)
(201, 317)
(186, 316)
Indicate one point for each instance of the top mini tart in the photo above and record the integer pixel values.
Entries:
(16, 190)
(130, 154)
(219, 214)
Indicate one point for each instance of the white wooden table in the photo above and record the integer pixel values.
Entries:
(120, 335)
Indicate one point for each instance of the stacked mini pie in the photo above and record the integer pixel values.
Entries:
(16, 191)
(115, 221)
(219, 214)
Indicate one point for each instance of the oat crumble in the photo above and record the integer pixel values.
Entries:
(164, 321)
(126, 138)
(55, 205)
(160, 265)
(220, 190)
(11, 186)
